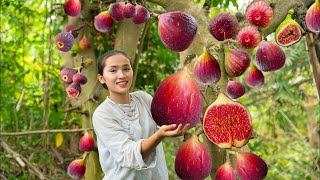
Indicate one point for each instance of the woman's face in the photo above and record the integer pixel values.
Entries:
(117, 74)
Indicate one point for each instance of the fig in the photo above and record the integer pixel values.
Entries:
(250, 166)
(227, 123)
(313, 17)
(224, 26)
(73, 90)
(235, 89)
(254, 77)
(72, 7)
(129, 11)
(103, 22)
(70, 28)
(193, 160)
(64, 41)
(85, 43)
(76, 169)
(86, 142)
(66, 75)
(79, 78)
(236, 61)
(142, 15)
(177, 100)
(288, 32)
(249, 37)
(206, 69)
(269, 57)
(177, 30)
(259, 13)
(116, 11)
(225, 172)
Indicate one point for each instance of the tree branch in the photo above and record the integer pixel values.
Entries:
(44, 132)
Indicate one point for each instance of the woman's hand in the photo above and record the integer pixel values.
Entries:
(172, 130)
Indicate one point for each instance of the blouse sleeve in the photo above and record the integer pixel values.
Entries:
(121, 146)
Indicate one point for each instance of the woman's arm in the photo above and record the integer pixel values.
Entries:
(149, 144)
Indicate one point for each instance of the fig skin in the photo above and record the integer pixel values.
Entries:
(235, 89)
(86, 143)
(142, 15)
(103, 22)
(224, 26)
(72, 7)
(269, 57)
(129, 11)
(70, 28)
(66, 75)
(64, 41)
(116, 11)
(177, 100)
(255, 77)
(227, 123)
(259, 13)
(79, 78)
(225, 172)
(177, 30)
(313, 17)
(250, 166)
(236, 61)
(193, 161)
(76, 169)
(249, 37)
(206, 69)
(85, 43)
(73, 90)
(288, 32)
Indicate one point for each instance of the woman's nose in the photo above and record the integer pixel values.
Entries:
(122, 73)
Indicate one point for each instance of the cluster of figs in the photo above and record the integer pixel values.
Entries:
(74, 79)
(76, 168)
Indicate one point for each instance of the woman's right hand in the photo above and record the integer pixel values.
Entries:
(172, 130)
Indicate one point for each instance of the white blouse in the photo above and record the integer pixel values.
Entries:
(120, 129)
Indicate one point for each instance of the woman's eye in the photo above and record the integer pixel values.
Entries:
(112, 70)
(127, 69)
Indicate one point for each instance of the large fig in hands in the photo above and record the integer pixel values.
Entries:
(269, 56)
(193, 161)
(177, 100)
(250, 166)
(206, 69)
(227, 123)
(177, 30)
(225, 172)
(313, 17)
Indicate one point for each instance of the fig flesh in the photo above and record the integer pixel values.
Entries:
(193, 161)
(269, 57)
(250, 166)
(224, 26)
(177, 100)
(259, 13)
(227, 123)
(313, 17)
(73, 90)
(177, 30)
(225, 172)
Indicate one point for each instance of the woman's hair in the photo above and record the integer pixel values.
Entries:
(106, 55)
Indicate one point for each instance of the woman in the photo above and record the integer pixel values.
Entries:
(129, 141)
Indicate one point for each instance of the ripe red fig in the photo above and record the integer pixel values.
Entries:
(224, 26)
(235, 89)
(79, 78)
(103, 22)
(313, 17)
(288, 32)
(269, 57)
(73, 90)
(193, 160)
(177, 100)
(259, 13)
(76, 169)
(177, 30)
(64, 41)
(254, 77)
(66, 74)
(70, 28)
(116, 11)
(236, 61)
(142, 16)
(227, 123)
(250, 166)
(85, 43)
(206, 69)
(86, 142)
(225, 172)
(129, 11)
(72, 7)
(249, 37)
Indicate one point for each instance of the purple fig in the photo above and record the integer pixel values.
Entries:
(72, 7)
(79, 78)
(224, 26)
(254, 77)
(64, 41)
(235, 89)
(250, 166)
(269, 57)
(313, 17)
(129, 11)
(73, 90)
(225, 172)
(86, 142)
(249, 37)
(66, 75)
(76, 169)
(259, 13)
(103, 22)
(116, 11)
(236, 61)
(142, 15)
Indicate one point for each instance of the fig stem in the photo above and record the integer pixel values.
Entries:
(85, 154)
